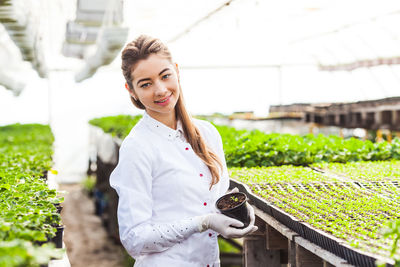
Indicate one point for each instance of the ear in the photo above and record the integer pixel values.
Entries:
(130, 91)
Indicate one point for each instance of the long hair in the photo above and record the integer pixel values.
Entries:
(141, 48)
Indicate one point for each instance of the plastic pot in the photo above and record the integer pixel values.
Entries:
(236, 209)
(58, 238)
(58, 207)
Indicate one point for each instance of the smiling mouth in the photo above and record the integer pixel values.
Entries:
(163, 100)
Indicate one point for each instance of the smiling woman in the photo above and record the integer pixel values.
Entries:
(171, 169)
(155, 84)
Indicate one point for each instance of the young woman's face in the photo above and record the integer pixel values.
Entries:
(156, 85)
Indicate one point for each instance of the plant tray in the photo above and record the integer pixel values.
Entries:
(318, 237)
(323, 240)
(256, 200)
(287, 220)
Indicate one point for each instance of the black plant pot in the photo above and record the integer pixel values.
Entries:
(239, 212)
(58, 207)
(58, 238)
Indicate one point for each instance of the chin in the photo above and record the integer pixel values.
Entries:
(164, 110)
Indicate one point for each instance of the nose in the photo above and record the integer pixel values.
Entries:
(160, 89)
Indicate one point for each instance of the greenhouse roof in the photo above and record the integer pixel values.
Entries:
(351, 48)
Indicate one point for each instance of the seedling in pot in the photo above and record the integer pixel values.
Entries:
(234, 198)
(234, 205)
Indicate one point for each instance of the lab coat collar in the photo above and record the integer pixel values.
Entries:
(162, 129)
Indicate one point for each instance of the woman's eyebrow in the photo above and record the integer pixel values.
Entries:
(142, 80)
(148, 79)
(163, 71)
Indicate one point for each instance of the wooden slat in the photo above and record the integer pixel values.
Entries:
(275, 240)
(256, 254)
(322, 253)
(305, 258)
(291, 253)
(231, 259)
(284, 253)
(261, 226)
(327, 264)
(275, 224)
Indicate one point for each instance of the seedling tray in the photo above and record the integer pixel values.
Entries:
(316, 236)
(253, 199)
(323, 240)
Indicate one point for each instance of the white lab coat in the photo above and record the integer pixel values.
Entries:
(163, 187)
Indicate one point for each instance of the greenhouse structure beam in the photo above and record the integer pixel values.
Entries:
(207, 16)
(366, 63)
(24, 30)
(96, 35)
(371, 114)
(343, 27)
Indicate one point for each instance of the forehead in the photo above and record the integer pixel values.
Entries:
(150, 66)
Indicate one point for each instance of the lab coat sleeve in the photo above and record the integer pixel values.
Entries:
(132, 179)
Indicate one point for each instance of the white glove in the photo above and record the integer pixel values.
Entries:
(234, 190)
(223, 224)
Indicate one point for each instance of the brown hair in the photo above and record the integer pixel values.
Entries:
(141, 48)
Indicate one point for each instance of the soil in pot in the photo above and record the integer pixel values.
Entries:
(234, 205)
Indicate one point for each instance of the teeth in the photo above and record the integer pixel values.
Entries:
(162, 101)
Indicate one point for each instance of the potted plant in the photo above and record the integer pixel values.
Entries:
(58, 238)
(234, 205)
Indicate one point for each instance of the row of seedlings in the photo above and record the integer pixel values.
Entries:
(382, 177)
(308, 201)
(30, 222)
(254, 148)
(245, 148)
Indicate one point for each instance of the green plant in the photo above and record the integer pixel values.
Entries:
(339, 208)
(224, 246)
(245, 148)
(255, 148)
(27, 211)
(118, 126)
(393, 230)
(89, 183)
(127, 260)
(24, 253)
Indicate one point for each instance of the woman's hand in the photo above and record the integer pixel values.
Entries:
(224, 225)
(251, 215)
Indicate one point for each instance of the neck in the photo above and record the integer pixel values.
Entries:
(167, 119)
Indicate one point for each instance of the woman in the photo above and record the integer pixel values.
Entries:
(171, 170)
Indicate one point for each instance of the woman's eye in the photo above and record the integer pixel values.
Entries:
(145, 85)
(166, 76)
